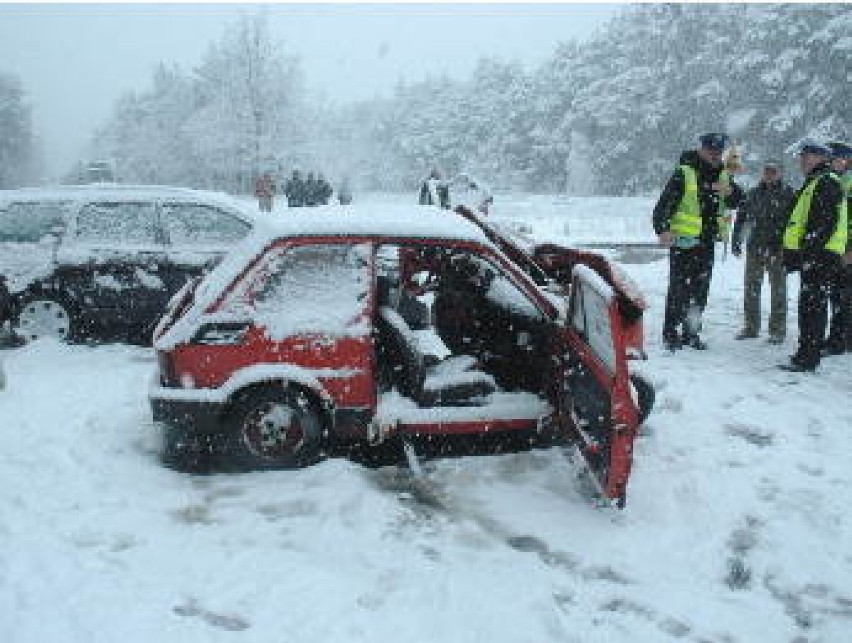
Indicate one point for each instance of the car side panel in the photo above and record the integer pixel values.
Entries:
(343, 366)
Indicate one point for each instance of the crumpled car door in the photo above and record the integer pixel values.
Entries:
(597, 391)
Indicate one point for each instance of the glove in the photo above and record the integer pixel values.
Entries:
(736, 250)
(792, 260)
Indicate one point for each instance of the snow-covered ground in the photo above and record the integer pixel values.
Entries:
(737, 527)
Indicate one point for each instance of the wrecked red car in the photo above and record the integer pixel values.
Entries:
(340, 327)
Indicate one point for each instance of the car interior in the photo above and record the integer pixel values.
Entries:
(456, 331)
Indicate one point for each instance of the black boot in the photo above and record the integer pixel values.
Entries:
(798, 366)
(694, 341)
(672, 343)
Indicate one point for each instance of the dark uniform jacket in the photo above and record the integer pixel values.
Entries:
(765, 212)
(672, 193)
(822, 218)
(441, 189)
(295, 191)
(324, 191)
(312, 192)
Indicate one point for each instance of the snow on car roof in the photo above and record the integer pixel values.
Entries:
(124, 191)
(426, 222)
(409, 221)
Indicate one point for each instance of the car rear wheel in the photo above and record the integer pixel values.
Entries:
(47, 316)
(276, 428)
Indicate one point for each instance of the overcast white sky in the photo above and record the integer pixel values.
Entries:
(75, 60)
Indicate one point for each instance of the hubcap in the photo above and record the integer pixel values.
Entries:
(44, 318)
(274, 430)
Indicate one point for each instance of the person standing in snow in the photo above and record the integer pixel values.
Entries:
(839, 338)
(435, 191)
(264, 190)
(324, 190)
(762, 218)
(312, 195)
(471, 193)
(814, 243)
(344, 192)
(689, 217)
(295, 190)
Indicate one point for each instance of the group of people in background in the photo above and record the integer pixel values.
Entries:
(784, 231)
(462, 190)
(313, 190)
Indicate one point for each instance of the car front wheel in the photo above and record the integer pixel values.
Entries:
(276, 428)
(47, 316)
(645, 394)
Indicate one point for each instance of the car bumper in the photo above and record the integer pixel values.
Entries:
(189, 416)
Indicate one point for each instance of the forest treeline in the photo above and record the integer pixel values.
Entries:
(606, 116)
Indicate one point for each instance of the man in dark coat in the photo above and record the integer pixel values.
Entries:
(435, 191)
(690, 216)
(344, 192)
(839, 338)
(312, 194)
(295, 190)
(324, 189)
(814, 243)
(762, 219)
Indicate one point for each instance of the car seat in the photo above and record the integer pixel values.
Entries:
(453, 381)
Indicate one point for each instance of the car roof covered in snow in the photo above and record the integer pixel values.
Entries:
(410, 221)
(374, 220)
(391, 221)
(123, 191)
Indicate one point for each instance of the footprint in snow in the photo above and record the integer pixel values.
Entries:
(670, 405)
(750, 433)
(671, 626)
(565, 561)
(223, 621)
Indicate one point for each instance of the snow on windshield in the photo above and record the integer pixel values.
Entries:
(314, 289)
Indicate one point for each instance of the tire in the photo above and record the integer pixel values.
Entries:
(182, 451)
(275, 427)
(645, 393)
(45, 315)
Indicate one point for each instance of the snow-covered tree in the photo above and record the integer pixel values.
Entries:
(239, 113)
(609, 115)
(17, 141)
(249, 93)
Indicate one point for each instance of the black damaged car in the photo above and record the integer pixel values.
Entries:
(101, 262)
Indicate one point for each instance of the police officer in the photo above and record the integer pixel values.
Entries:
(839, 338)
(814, 242)
(690, 216)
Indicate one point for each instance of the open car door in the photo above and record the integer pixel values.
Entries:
(598, 394)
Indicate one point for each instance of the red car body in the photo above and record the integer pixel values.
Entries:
(346, 326)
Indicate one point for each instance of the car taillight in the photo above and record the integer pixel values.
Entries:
(168, 376)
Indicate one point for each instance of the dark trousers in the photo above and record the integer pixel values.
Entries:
(818, 273)
(757, 265)
(840, 298)
(690, 272)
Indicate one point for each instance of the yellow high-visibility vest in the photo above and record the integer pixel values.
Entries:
(687, 219)
(799, 218)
